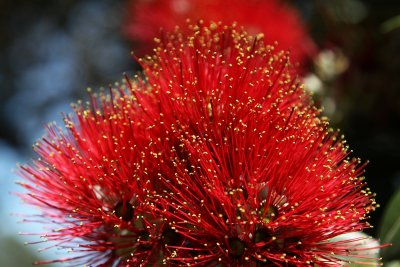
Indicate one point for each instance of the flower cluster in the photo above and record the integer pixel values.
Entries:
(215, 156)
(275, 19)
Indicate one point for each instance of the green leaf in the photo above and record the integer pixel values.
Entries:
(393, 264)
(390, 229)
(368, 249)
(391, 24)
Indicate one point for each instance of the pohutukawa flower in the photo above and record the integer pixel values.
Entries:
(259, 178)
(215, 156)
(277, 20)
(93, 181)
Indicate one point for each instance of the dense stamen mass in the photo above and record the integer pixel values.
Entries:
(276, 19)
(215, 156)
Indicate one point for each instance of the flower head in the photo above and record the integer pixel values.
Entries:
(92, 182)
(214, 157)
(275, 19)
(261, 179)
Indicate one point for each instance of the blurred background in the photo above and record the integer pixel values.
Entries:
(52, 50)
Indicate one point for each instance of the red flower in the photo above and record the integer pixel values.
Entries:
(258, 177)
(93, 182)
(215, 158)
(275, 19)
